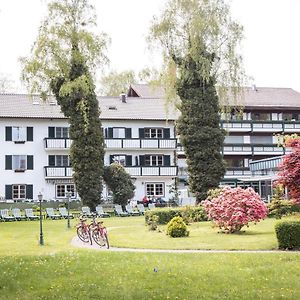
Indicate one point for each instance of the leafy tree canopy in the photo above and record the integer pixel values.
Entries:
(196, 28)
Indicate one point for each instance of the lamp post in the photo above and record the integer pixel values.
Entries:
(40, 198)
(68, 194)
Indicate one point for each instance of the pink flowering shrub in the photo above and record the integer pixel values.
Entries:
(235, 208)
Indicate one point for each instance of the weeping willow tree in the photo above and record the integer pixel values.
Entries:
(200, 44)
(62, 63)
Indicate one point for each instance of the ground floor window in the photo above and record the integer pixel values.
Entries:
(19, 191)
(62, 189)
(155, 189)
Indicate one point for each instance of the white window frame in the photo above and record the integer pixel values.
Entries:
(62, 132)
(119, 132)
(156, 160)
(18, 191)
(19, 134)
(19, 162)
(62, 188)
(62, 160)
(153, 133)
(156, 189)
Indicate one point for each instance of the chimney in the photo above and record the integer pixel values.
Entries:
(254, 88)
(123, 98)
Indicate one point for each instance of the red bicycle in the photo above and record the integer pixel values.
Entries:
(83, 231)
(99, 233)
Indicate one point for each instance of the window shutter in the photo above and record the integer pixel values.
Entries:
(111, 159)
(29, 134)
(29, 191)
(29, 162)
(128, 160)
(166, 133)
(142, 160)
(110, 132)
(8, 133)
(51, 132)
(8, 191)
(141, 133)
(105, 133)
(8, 162)
(127, 133)
(167, 160)
(51, 160)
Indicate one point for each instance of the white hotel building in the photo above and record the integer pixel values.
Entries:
(140, 134)
(34, 146)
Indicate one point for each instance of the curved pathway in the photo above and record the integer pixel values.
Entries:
(76, 242)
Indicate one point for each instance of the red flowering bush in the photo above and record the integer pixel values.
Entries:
(289, 169)
(235, 208)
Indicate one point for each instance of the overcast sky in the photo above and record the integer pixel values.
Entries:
(271, 27)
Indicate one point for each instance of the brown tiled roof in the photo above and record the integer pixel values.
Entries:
(147, 91)
(22, 106)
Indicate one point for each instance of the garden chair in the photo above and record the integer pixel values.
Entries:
(86, 212)
(64, 213)
(29, 214)
(17, 214)
(51, 214)
(5, 215)
(151, 205)
(130, 211)
(100, 212)
(119, 211)
(141, 209)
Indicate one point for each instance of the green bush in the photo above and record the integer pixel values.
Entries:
(279, 208)
(177, 228)
(189, 214)
(288, 234)
(152, 222)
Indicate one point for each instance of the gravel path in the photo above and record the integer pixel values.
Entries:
(76, 242)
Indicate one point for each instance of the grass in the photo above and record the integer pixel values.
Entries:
(112, 275)
(59, 271)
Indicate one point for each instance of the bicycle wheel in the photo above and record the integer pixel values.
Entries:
(100, 239)
(83, 234)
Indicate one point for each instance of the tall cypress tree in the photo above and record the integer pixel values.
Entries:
(64, 56)
(78, 101)
(199, 128)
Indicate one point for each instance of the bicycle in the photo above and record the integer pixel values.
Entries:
(83, 231)
(99, 233)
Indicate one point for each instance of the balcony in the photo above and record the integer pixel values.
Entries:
(58, 172)
(127, 144)
(261, 126)
(247, 149)
(67, 172)
(136, 143)
(152, 171)
(234, 172)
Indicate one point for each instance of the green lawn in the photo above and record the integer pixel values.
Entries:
(60, 271)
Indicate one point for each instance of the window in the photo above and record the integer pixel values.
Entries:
(234, 139)
(19, 162)
(155, 189)
(19, 134)
(120, 159)
(62, 132)
(62, 160)
(62, 189)
(18, 191)
(256, 116)
(257, 139)
(235, 162)
(153, 133)
(291, 116)
(153, 160)
(118, 133)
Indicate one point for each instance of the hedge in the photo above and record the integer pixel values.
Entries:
(280, 208)
(189, 214)
(288, 234)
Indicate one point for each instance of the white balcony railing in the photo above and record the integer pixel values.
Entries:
(58, 172)
(58, 144)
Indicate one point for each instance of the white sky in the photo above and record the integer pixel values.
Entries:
(271, 27)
